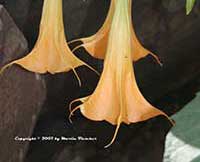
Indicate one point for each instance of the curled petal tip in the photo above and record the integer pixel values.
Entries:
(72, 113)
(73, 41)
(78, 78)
(77, 47)
(70, 120)
(91, 68)
(5, 67)
(71, 103)
(169, 119)
(157, 59)
(172, 122)
(114, 136)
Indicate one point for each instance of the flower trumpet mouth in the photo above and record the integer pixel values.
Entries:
(117, 97)
(97, 44)
(51, 52)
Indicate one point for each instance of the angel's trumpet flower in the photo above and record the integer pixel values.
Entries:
(97, 44)
(117, 97)
(51, 52)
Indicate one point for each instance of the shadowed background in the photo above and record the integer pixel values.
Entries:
(161, 26)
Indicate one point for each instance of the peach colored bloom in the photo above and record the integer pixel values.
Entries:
(51, 52)
(117, 97)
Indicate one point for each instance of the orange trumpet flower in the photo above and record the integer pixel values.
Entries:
(51, 52)
(117, 97)
(97, 44)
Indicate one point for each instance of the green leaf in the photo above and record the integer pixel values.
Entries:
(189, 5)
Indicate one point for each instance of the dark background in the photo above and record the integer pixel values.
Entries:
(161, 25)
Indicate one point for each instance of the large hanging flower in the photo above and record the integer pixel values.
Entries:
(97, 44)
(51, 52)
(117, 97)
